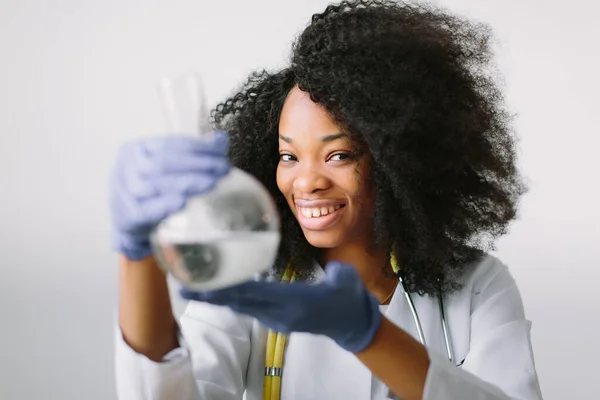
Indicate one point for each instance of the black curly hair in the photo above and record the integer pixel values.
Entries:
(415, 87)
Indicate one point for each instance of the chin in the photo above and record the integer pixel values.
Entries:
(323, 239)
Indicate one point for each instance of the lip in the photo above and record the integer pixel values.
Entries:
(320, 223)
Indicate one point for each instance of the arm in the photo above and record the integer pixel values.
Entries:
(498, 366)
(207, 360)
(145, 317)
(153, 179)
(398, 360)
(147, 332)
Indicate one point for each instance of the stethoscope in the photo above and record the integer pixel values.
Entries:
(413, 310)
(415, 315)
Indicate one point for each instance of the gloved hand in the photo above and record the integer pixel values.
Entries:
(153, 178)
(340, 307)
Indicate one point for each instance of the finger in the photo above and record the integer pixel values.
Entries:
(131, 184)
(341, 274)
(184, 185)
(153, 210)
(277, 293)
(273, 310)
(145, 203)
(230, 298)
(220, 296)
(177, 162)
(128, 212)
(245, 292)
(216, 143)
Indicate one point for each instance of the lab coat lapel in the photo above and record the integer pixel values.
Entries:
(334, 373)
(429, 315)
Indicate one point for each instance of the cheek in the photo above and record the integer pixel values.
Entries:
(284, 182)
(354, 183)
(361, 187)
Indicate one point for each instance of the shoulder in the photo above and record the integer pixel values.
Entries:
(483, 271)
(485, 278)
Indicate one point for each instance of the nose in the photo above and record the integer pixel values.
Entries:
(310, 179)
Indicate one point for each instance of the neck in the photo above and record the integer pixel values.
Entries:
(370, 266)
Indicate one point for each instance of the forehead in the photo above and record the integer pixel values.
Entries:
(303, 118)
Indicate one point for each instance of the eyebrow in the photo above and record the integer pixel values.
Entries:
(324, 139)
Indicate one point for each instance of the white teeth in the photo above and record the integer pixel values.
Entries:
(318, 211)
(306, 212)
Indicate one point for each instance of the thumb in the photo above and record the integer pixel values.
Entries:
(341, 274)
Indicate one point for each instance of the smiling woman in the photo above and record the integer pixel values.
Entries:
(390, 156)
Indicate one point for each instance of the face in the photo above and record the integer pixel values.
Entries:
(326, 185)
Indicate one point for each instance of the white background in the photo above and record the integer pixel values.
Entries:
(78, 78)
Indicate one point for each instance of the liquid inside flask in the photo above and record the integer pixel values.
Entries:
(226, 236)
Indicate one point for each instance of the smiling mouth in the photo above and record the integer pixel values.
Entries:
(317, 212)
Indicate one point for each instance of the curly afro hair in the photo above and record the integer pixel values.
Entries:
(415, 88)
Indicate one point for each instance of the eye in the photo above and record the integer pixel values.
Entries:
(286, 158)
(340, 157)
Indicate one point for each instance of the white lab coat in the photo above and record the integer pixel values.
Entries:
(222, 353)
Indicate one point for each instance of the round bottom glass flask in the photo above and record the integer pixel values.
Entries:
(221, 238)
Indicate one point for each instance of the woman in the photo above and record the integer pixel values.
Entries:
(389, 154)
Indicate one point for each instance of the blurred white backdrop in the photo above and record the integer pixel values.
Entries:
(78, 78)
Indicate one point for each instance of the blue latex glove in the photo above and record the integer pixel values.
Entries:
(153, 178)
(339, 307)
